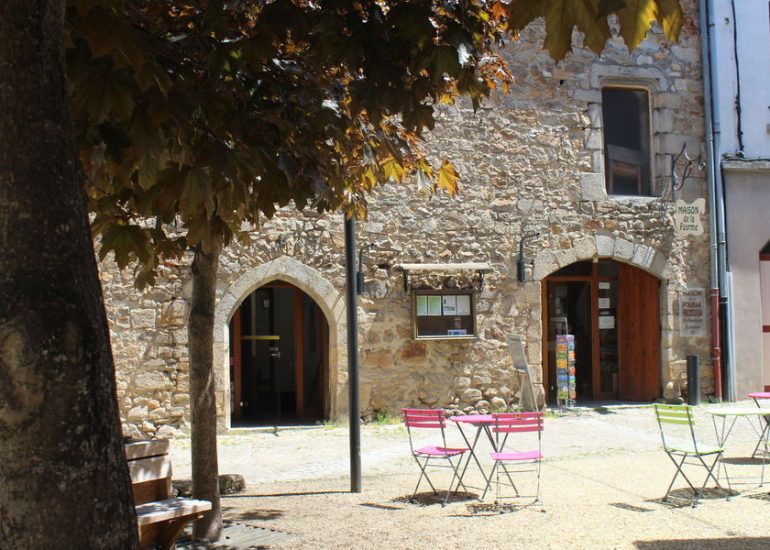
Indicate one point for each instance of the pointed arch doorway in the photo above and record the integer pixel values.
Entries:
(279, 349)
(613, 311)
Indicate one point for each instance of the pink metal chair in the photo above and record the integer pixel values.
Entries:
(432, 419)
(524, 461)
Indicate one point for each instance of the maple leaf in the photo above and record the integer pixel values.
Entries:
(447, 178)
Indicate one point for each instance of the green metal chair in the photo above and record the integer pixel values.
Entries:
(677, 430)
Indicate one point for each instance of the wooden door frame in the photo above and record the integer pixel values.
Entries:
(299, 342)
(236, 361)
(593, 279)
(546, 318)
(597, 383)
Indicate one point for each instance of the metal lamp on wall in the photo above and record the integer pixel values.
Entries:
(521, 264)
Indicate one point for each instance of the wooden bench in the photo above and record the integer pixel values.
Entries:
(160, 517)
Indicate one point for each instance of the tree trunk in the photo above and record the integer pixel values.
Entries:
(205, 470)
(64, 482)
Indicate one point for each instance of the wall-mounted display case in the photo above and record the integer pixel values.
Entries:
(444, 314)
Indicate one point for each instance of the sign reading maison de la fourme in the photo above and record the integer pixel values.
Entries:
(688, 217)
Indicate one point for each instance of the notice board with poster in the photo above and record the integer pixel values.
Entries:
(692, 312)
(444, 314)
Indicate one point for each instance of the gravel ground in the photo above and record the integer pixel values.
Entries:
(602, 483)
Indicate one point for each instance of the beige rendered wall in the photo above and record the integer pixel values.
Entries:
(764, 274)
(748, 230)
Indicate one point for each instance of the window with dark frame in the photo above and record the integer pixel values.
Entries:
(626, 121)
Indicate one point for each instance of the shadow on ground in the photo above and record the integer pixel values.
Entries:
(430, 499)
(737, 543)
(233, 514)
(745, 461)
(495, 508)
(683, 498)
(630, 507)
(282, 495)
(379, 506)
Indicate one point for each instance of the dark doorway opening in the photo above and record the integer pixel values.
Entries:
(569, 312)
(278, 358)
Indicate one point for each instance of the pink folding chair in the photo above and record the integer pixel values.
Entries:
(432, 419)
(525, 460)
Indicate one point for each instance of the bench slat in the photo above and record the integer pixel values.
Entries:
(173, 508)
(149, 469)
(144, 449)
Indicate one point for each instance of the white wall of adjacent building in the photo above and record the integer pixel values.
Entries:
(742, 30)
(748, 36)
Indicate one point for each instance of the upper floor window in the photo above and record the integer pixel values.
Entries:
(626, 118)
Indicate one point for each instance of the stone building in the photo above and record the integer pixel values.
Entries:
(577, 158)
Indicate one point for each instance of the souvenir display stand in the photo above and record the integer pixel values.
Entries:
(566, 393)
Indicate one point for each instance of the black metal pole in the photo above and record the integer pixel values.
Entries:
(693, 380)
(353, 397)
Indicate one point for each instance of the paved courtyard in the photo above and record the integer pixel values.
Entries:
(603, 480)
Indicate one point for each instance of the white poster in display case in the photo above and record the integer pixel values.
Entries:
(463, 305)
(449, 304)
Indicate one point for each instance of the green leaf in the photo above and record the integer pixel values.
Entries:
(392, 170)
(196, 193)
(671, 18)
(522, 12)
(562, 16)
(607, 7)
(104, 95)
(108, 33)
(443, 61)
(153, 75)
(638, 15)
(127, 242)
(148, 146)
(635, 20)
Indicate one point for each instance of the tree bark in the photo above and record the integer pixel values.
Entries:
(205, 470)
(64, 482)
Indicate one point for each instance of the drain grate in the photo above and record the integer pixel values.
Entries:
(630, 507)
(760, 496)
(239, 536)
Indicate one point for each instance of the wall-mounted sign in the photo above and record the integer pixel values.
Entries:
(688, 217)
(692, 312)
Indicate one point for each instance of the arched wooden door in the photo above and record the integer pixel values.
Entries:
(612, 310)
(638, 334)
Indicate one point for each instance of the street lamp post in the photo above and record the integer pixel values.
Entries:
(353, 397)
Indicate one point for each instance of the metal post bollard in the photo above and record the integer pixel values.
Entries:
(693, 380)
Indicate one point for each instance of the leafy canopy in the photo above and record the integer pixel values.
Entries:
(194, 118)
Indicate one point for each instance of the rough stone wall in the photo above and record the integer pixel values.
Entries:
(149, 343)
(530, 161)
